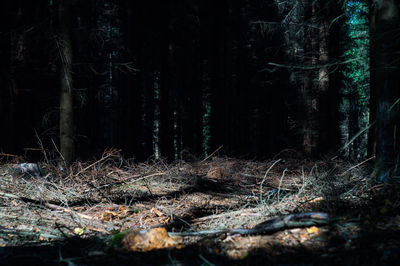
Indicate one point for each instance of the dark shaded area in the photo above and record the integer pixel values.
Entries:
(366, 250)
(153, 78)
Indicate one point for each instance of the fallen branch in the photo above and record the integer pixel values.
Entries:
(104, 157)
(45, 204)
(217, 216)
(8, 155)
(297, 220)
(124, 182)
(30, 234)
(144, 177)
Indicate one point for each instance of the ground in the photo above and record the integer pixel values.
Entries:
(115, 212)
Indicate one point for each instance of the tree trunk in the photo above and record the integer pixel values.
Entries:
(327, 123)
(372, 137)
(15, 50)
(67, 146)
(384, 25)
(219, 116)
(320, 89)
(310, 86)
(331, 136)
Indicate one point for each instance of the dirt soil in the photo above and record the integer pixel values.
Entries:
(218, 211)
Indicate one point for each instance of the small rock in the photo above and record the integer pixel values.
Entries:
(25, 170)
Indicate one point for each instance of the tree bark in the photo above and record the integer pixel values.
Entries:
(328, 85)
(372, 137)
(310, 86)
(320, 87)
(384, 25)
(67, 146)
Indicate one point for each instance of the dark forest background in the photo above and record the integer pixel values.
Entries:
(178, 79)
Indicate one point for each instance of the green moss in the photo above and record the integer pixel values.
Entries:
(117, 239)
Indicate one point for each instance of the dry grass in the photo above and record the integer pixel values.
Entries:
(112, 194)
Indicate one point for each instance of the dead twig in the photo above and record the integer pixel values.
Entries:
(42, 149)
(107, 155)
(59, 208)
(265, 176)
(144, 177)
(280, 183)
(357, 165)
(214, 152)
(58, 151)
(124, 181)
(8, 155)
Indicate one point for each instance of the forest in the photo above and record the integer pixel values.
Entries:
(199, 132)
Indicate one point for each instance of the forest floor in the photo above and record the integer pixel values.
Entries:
(288, 210)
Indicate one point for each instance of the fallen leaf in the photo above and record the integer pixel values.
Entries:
(157, 212)
(147, 240)
(79, 231)
(313, 230)
(112, 214)
(316, 200)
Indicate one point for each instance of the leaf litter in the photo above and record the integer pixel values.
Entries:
(219, 210)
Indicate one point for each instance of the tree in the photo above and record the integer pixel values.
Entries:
(329, 74)
(311, 30)
(355, 89)
(386, 84)
(67, 146)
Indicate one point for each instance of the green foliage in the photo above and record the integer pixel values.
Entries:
(356, 72)
(355, 88)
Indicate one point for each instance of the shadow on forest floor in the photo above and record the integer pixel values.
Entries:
(310, 212)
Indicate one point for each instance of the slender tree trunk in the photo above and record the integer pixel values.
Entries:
(384, 26)
(330, 137)
(207, 74)
(323, 86)
(168, 72)
(371, 146)
(219, 116)
(309, 90)
(67, 146)
(15, 64)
